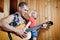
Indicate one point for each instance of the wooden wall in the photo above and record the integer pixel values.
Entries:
(6, 8)
(47, 10)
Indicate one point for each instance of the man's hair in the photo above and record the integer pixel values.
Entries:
(22, 4)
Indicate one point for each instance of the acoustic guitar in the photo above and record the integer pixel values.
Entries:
(4, 35)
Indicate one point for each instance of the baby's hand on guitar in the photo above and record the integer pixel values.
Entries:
(44, 26)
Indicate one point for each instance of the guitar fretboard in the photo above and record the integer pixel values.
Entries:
(34, 28)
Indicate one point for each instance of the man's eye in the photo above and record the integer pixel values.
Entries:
(26, 10)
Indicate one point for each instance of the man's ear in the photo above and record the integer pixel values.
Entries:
(19, 8)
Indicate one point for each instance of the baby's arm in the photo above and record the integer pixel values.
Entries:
(28, 24)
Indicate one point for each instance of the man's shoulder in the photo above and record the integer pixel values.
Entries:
(15, 14)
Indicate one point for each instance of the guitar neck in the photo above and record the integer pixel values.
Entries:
(34, 28)
(49, 23)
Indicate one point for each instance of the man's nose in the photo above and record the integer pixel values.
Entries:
(26, 12)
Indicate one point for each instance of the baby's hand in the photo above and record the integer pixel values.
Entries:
(44, 25)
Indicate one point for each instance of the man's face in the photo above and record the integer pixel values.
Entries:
(24, 10)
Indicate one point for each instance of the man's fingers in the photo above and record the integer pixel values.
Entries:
(25, 32)
(21, 36)
(24, 36)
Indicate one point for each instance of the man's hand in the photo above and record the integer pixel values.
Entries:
(21, 33)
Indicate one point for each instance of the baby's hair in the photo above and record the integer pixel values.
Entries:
(34, 14)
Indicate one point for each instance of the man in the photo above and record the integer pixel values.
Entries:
(9, 23)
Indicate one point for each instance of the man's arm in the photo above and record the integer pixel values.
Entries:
(4, 23)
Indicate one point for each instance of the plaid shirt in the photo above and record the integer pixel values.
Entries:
(17, 20)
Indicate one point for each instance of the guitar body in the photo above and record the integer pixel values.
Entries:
(4, 35)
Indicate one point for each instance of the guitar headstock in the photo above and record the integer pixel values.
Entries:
(49, 23)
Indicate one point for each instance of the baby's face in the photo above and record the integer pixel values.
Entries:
(34, 14)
